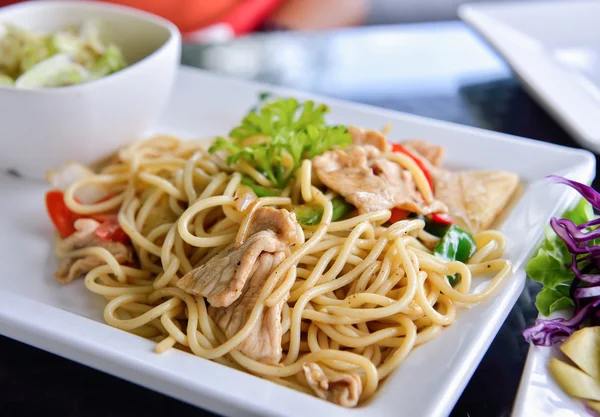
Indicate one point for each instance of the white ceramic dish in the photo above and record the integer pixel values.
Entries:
(554, 48)
(67, 320)
(539, 394)
(45, 127)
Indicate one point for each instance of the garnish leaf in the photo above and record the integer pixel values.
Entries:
(568, 264)
(550, 300)
(276, 137)
(550, 266)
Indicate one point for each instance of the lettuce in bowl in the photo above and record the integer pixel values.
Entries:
(65, 57)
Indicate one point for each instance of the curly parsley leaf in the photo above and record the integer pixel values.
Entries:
(278, 135)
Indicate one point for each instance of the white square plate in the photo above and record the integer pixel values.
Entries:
(68, 320)
(554, 48)
(539, 394)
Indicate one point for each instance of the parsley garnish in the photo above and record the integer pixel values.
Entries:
(281, 130)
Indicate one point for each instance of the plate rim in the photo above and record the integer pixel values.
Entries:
(577, 126)
(521, 404)
(107, 360)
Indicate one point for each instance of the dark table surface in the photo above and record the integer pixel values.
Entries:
(444, 71)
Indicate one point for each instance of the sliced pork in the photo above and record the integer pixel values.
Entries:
(368, 137)
(222, 279)
(407, 197)
(71, 267)
(336, 387)
(232, 281)
(282, 222)
(371, 182)
(264, 342)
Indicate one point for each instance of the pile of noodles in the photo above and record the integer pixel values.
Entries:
(361, 295)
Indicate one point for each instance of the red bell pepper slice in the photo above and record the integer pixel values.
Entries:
(397, 215)
(110, 230)
(441, 218)
(62, 217)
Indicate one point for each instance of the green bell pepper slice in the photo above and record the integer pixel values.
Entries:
(311, 215)
(455, 245)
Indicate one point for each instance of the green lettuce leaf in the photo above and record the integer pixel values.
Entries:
(548, 266)
(581, 213)
(111, 61)
(552, 299)
(29, 58)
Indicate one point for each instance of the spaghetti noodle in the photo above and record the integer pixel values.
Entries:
(357, 295)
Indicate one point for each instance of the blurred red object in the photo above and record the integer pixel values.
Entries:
(241, 16)
(7, 2)
(222, 20)
(188, 15)
(320, 14)
(202, 17)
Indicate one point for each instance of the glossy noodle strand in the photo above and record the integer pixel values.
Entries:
(357, 295)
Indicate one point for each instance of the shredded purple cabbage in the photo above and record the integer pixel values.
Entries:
(586, 191)
(547, 332)
(585, 264)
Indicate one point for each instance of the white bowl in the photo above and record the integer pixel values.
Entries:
(44, 127)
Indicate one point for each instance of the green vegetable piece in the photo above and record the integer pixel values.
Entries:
(435, 228)
(453, 279)
(553, 299)
(259, 190)
(112, 61)
(308, 215)
(548, 266)
(33, 53)
(311, 215)
(581, 213)
(455, 245)
(65, 42)
(13, 41)
(6, 80)
(286, 128)
(28, 57)
(89, 33)
(55, 71)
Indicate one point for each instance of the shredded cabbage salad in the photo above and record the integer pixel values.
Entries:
(568, 265)
(66, 57)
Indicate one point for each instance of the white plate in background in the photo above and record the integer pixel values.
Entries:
(67, 320)
(554, 48)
